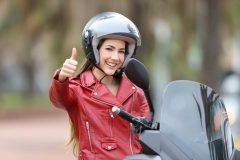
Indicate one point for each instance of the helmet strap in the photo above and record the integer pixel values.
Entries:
(116, 75)
(101, 71)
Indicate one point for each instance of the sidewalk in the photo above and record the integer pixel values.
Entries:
(34, 135)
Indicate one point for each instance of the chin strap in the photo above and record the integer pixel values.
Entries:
(98, 67)
(116, 75)
(101, 71)
(102, 78)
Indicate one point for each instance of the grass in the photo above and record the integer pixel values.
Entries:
(20, 101)
(237, 143)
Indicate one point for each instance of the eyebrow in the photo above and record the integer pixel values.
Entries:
(109, 45)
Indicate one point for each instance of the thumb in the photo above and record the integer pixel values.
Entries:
(74, 54)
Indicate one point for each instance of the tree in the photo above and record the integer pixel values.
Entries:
(211, 41)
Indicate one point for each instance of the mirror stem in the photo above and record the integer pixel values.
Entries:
(147, 95)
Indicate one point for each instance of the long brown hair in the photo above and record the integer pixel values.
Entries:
(74, 140)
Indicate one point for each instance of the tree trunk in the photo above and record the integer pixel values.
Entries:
(211, 41)
(139, 13)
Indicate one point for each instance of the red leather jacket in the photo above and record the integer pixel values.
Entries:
(102, 134)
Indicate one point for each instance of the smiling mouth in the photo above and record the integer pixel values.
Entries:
(111, 64)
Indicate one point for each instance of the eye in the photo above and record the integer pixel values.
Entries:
(109, 49)
(122, 51)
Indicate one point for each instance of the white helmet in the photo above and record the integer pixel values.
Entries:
(109, 25)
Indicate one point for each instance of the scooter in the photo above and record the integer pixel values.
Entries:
(190, 124)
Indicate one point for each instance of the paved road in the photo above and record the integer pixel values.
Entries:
(34, 135)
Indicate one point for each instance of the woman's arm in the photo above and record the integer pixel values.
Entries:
(144, 107)
(60, 93)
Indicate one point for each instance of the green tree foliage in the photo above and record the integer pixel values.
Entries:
(198, 31)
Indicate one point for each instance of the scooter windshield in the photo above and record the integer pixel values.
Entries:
(194, 117)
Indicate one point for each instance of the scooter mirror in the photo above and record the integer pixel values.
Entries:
(137, 73)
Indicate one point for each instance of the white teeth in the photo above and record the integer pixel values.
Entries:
(111, 64)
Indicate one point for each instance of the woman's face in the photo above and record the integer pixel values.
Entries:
(112, 54)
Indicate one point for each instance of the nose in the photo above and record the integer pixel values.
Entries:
(115, 55)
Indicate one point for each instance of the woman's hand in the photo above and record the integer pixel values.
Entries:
(69, 66)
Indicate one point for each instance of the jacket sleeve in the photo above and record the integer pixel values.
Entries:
(60, 93)
(144, 108)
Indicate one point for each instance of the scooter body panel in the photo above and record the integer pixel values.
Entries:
(142, 157)
(193, 122)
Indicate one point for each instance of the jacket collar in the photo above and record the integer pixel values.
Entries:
(101, 92)
(88, 79)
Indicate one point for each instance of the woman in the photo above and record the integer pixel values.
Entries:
(109, 40)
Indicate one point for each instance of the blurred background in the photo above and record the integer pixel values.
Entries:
(197, 40)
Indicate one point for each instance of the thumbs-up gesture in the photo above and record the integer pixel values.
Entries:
(69, 66)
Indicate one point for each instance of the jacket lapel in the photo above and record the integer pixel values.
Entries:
(102, 93)
(125, 90)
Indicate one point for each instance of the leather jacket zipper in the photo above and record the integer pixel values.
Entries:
(130, 137)
(89, 136)
(111, 115)
(130, 131)
(111, 122)
(109, 104)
